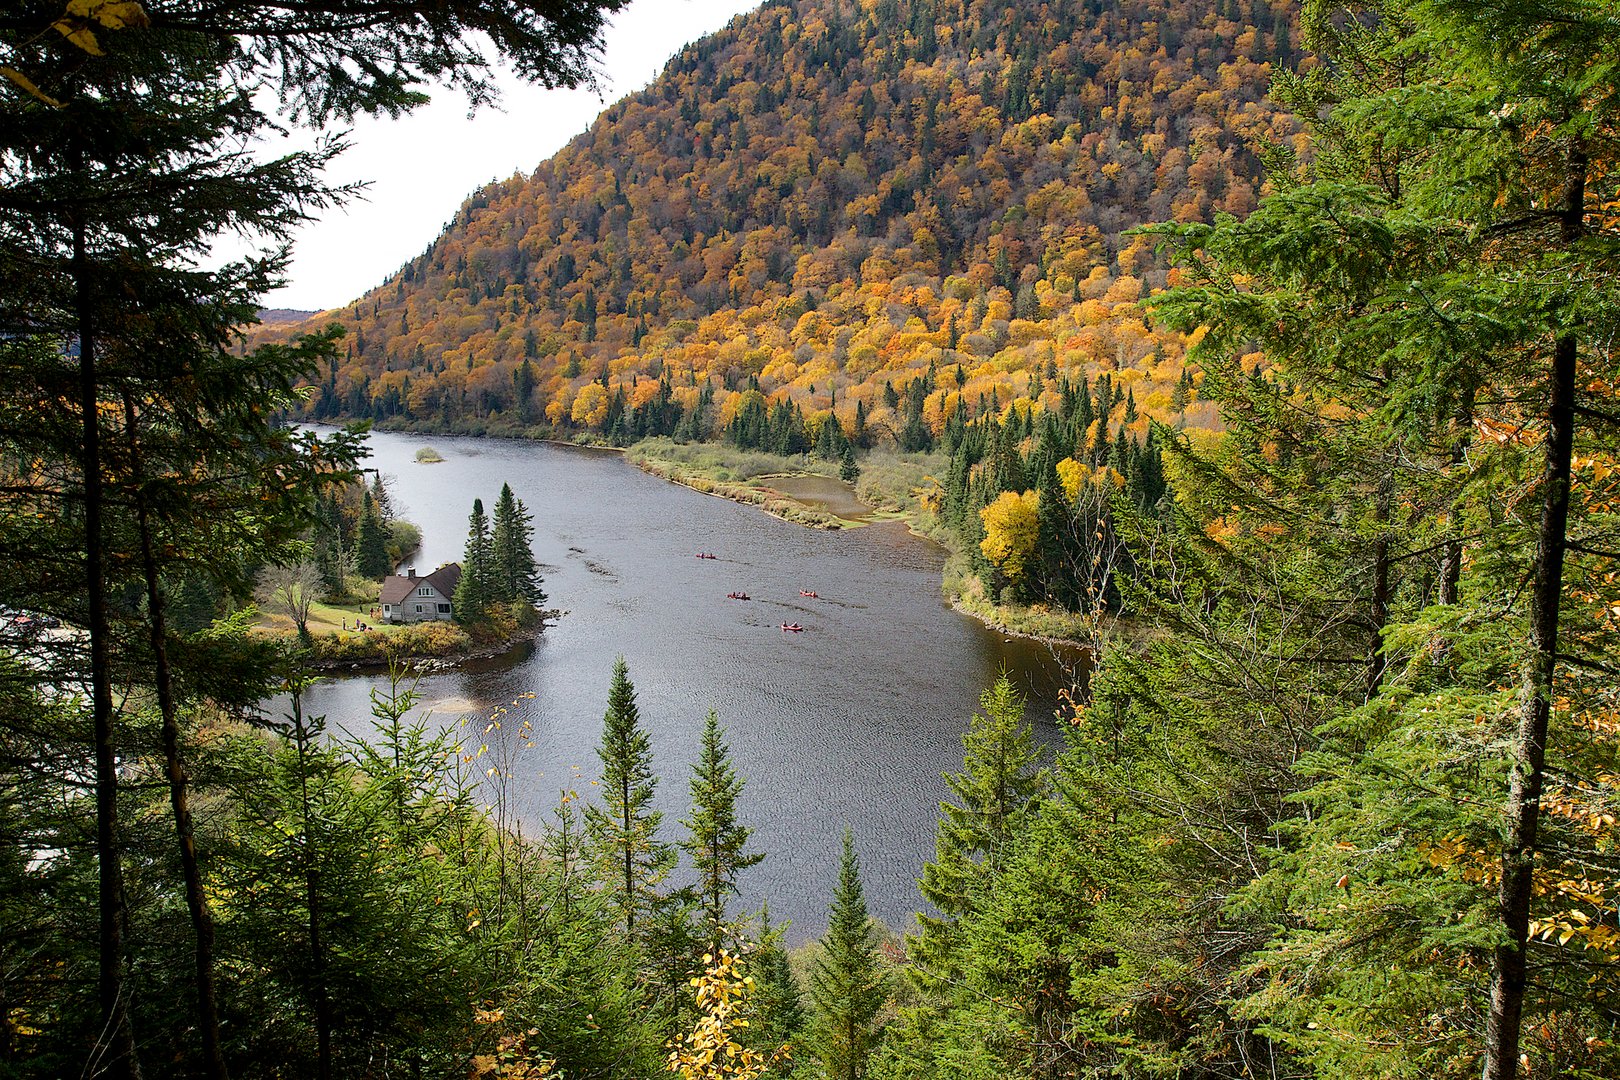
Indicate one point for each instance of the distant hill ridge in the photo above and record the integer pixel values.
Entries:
(276, 316)
(826, 197)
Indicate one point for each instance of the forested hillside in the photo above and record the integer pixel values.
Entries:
(1341, 805)
(828, 197)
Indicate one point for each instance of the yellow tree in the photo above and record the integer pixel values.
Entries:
(590, 405)
(1010, 532)
(710, 1051)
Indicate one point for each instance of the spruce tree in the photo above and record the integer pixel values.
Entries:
(998, 781)
(715, 839)
(475, 591)
(130, 149)
(1434, 308)
(777, 1009)
(1057, 552)
(514, 575)
(848, 985)
(848, 470)
(624, 829)
(371, 546)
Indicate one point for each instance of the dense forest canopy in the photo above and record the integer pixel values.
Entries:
(826, 197)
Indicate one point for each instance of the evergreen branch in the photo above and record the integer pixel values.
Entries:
(1597, 414)
(1602, 553)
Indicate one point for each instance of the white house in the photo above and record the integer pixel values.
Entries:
(408, 598)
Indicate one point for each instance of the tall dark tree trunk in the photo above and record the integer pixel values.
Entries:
(1452, 558)
(112, 917)
(1508, 963)
(1378, 602)
(202, 920)
(312, 887)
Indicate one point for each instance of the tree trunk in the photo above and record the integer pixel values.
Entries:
(312, 888)
(1451, 561)
(202, 920)
(1508, 963)
(112, 916)
(1378, 607)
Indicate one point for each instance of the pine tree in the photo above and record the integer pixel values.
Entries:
(848, 470)
(371, 545)
(998, 781)
(715, 840)
(777, 1013)
(475, 592)
(1437, 279)
(624, 829)
(848, 986)
(514, 575)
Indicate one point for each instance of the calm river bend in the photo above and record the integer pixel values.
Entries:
(852, 721)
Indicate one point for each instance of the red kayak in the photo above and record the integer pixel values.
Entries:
(738, 596)
(793, 627)
(811, 595)
(705, 555)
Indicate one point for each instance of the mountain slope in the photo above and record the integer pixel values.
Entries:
(826, 197)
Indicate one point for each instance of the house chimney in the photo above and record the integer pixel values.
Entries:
(410, 571)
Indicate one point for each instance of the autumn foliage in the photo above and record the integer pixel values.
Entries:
(827, 198)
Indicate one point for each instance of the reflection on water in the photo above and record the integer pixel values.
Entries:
(852, 721)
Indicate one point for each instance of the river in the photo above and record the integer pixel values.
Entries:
(851, 722)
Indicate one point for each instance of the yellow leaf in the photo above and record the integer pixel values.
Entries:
(79, 34)
(113, 14)
(28, 86)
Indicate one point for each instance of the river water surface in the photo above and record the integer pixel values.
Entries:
(851, 722)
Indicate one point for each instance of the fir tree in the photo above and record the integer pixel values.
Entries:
(998, 781)
(624, 829)
(848, 985)
(777, 1010)
(715, 840)
(475, 592)
(514, 576)
(848, 470)
(371, 546)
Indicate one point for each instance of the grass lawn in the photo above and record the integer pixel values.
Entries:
(330, 619)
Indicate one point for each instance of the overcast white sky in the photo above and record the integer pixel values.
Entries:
(423, 165)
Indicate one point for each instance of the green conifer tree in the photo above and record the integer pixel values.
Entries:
(514, 575)
(1000, 777)
(777, 1008)
(475, 592)
(1438, 279)
(848, 986)
(371, 547)
(624, 829)
(848, 470)
(715, 839)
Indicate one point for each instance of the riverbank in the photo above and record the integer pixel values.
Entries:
(891, 486)
(1035, 621)
(715, 478)
(356, 645)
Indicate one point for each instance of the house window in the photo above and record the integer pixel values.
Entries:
(419, 609)
(444, 609)
(426, 590)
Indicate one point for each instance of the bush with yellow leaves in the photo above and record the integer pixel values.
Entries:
(711, 1051)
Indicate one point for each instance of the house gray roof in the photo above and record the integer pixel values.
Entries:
(397, 587)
